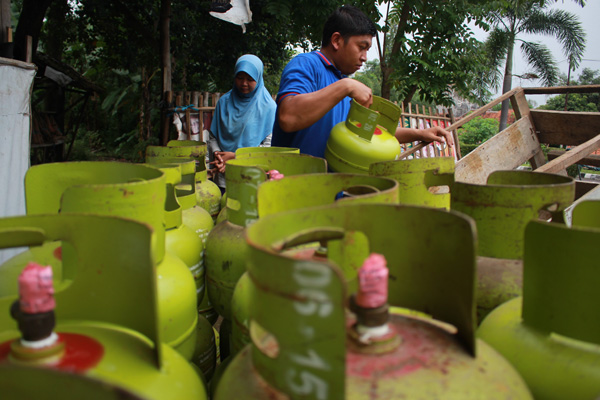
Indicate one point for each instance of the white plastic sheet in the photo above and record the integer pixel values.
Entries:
(16, 81)
(239, 13)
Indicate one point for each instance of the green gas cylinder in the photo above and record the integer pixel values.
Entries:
(244, 152)
(502, 209)
(225, 247)
(181, 199)
(303, 342)
(421, 181)
(205, 356)
(552, 333)
(107, 324)
(324, 189)
(366, 137)
(131, 191)
(187, 227)
(208, 194)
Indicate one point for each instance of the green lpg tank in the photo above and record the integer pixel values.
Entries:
(208, 194)
(107, 331)
(552, 333)
(245, 152)
(421, 181)
(502, 209)
(225, 247)
(304, 344)
(187, 224)
(324, 189)
(187, 227)
(366, 137)
(182, 151)
(131, 191)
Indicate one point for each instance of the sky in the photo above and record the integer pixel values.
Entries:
(589, 17)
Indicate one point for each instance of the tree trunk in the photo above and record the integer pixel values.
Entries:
(165, 65)
(507, 85)
(30, 24)
(409, 95)
(5, 20)
(386, 68)
(54, 47)
(385, 82)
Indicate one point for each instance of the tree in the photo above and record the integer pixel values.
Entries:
(516, 17)
(588, 102)
(427, 47)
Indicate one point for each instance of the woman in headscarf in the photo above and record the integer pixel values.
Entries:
(243, 116)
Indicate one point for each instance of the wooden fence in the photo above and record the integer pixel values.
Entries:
(421, 117)
(192, 113)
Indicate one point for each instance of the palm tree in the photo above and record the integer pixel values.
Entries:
(532, 17)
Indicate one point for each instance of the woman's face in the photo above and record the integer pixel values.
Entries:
(244, 83)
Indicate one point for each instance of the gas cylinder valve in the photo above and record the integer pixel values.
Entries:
(371, 332)
(274, 175)
(34, 313)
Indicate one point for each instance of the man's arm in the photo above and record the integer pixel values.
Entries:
(435, 133)
(296, 112)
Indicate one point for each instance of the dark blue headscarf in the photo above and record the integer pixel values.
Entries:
(244, 120)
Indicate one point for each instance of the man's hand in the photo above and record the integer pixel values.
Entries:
(436, 134)
(360, 92)
(428, 135)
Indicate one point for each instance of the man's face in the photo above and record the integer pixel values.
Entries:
(352, 53)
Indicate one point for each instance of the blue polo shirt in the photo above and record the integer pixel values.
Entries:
(307, 73)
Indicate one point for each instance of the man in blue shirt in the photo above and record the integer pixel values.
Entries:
(315, 92)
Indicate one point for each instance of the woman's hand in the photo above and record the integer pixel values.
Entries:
(220, 158)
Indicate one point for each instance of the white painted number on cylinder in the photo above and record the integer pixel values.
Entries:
(308, 384)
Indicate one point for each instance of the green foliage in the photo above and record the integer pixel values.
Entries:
(475, 132)
(429, 48)
(588, 102)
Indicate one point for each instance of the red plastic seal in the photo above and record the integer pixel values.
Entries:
(373, 282)
(81, 354)
(36, 289)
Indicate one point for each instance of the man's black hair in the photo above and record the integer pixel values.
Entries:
(348, 21)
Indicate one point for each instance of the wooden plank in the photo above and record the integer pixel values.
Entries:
(506, 150)
(568, 128)
(571, 157)
(592, 159)
(564, 89)
(16, 63)
(521, 109)
(196, 102)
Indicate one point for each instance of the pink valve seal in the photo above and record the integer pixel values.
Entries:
(36, 289)
(275, 175)
(373, 282)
